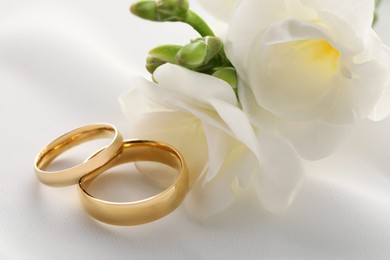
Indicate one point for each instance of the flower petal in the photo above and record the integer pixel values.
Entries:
(134, 102)
(221, 9)
(282, 172)
(292, 29)
(219, 146)
(249, 18)
(313, 140)
(368, 85)
(238, 124)
(206, 199)
(358, 13)
(293, 69)
(258, 116)
(342, 112)
(345, 38)
(296, 8)
(382, 108)
(380, 53)
(217, 105)
(193, 85)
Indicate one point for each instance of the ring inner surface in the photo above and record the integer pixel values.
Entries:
(69, 141)
(137, 151)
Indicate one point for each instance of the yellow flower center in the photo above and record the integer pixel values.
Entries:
(319, 53)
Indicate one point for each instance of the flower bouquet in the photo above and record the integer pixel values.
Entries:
(286, 82)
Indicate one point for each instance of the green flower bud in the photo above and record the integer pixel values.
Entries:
(153, 63)
(145, 9)
(229, 75)
(199, 52)
(172, 10)
(161, 55)
(161, 10)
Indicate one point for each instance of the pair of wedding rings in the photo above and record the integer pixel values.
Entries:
(116, 153)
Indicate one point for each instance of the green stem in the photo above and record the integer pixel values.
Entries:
(196, 22)
(377, 3)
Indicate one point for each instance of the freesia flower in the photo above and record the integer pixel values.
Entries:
(200, 116)
(221, 9)
(309, 69)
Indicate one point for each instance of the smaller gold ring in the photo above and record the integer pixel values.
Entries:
(65, 142)
(142, 211)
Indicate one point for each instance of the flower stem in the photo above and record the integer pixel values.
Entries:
(196, 22)
(377, 3)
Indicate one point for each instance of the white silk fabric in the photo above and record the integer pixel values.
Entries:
(63, 64)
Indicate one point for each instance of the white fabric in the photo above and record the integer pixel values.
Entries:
(63, 64)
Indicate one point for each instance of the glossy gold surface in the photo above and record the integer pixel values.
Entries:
(143, 211)
(73, 138)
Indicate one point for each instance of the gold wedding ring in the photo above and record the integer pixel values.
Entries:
(65, 142)
(142, 211)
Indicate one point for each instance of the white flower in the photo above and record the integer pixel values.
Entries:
(199, 115)
(221, 9)
(309, 69)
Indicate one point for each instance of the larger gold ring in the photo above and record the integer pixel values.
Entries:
(143, 211)
(75, 137)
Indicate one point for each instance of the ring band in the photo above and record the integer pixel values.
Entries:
(73, 138)
(143, 211)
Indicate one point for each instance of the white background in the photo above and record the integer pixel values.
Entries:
(63, 64)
